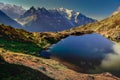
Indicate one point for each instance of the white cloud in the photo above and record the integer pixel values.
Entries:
(112, 60)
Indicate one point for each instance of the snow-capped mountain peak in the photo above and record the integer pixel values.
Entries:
(68, 13)
(74, 17)
(42, 19)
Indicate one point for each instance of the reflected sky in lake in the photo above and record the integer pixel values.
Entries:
(89, 48)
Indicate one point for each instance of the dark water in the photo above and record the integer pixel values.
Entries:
(90, 52)
(88, 47)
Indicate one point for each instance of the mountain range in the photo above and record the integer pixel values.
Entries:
(43, 20)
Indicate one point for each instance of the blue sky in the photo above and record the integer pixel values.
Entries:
(97, 9)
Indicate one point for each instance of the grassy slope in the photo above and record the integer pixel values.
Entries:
(18, 40)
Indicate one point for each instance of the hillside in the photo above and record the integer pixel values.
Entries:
(18, 40)
(5, 19)
(10, 71)
(21, 66)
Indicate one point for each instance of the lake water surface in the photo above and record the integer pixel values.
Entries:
(90, 52)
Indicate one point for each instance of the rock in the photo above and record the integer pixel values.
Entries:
(91, 77)
(107, 74)
(42, 68)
